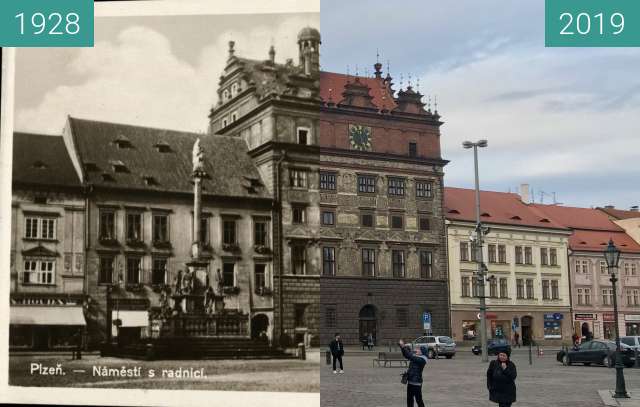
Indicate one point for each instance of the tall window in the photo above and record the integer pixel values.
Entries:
(413, 149)
(133, 270)
(328, 181)
(261, 232)
(424, 189)
(603, 267)
(105, 276)
(544, 260)
(545, 290)
(159, 271)
(396, 186)
(397, 262)
(366, 184)
(107, 229)
(504, 291)
(328, 218)
(475, 287)
(627, 269)
(519, 259)
(529, 289)
(329, 261)
(229, 275)
(502, 254)
(465, 286)
(607, 296)
(464, 251)
(397, 221)
(520, 288)
(491, 249)
(587, 296)
(493, 288)
(629, 298)
(528, 256)
(303, 136)
(555, 291)
(634, 269)
(298, 178)
(229, 231)
(134, 227)
(580, 297)
(298, 214)
(426, 264)
(299, 259)
(368, 262)
(259, 275)
(160, 228)
(423, 223)
(39, 272)
(367, 220)
(40, 228)
(636, 297)
(553, 257)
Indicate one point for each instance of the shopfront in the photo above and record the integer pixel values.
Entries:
(632, 324)
(45, 327)
(585, 324)
(608, 325)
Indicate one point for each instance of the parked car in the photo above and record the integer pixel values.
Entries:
(601, 352)
(494, 346)
(632, 341)
(437, 345)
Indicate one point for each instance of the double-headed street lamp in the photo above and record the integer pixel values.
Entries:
(612, 257)
(477, 246)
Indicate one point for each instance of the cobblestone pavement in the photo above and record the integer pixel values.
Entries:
(461, 381)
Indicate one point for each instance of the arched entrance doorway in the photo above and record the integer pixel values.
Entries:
(527, 329)
(259, 324)
(368, 322)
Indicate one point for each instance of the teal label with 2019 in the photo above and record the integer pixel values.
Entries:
(46, 23)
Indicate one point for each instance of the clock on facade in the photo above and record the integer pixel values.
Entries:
(360, 137)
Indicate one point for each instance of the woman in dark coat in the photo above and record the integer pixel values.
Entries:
(501, 380)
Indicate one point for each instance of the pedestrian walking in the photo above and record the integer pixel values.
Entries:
(370, 341)
(417, 362)
(501, 380)
(337, 351)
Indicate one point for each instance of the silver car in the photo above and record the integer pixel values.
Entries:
(437, 345)
(632, 341)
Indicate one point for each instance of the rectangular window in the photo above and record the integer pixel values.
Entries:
(329, 261)
(543, 256)
(298, 214)
(396, 186)
(107, 225)
(229, 231)
(328, 181)
(366, 184)
(367, 220)
(40, 228)
(520, 288)
(134, 227)
(555, 291)
(502, 254)
(528, 256)
(48, 229)
(603, 268)
(297, 178)
(529, 289)
(160, 228)
(465, 286)
(580, 296)
(299, 259)
(491, 249)
(553, 257)
(424, 189)
(426, 264)
(585, 267)
(493, 288)
(261, 232)
(328, 218)
(475, 287)
(413, 149)
(605, 297)
(330, 317)
(402, 318)
(105, 276)
(397, 221)
(397, 262)
(303, 136)
(159, 271)
(229, 275)
(368, 262)
(423, 223)
(464, 251)
(587, 296)
(636, 297)
(627, 269)
(260, 276)
(474, 251)
(545, 290)
(504, 291)
(133, 270)
(31, 228)
(39, 272)
(629, 298)
(519, 259)
(634, 270)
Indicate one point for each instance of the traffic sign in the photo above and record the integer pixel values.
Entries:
(426, 321)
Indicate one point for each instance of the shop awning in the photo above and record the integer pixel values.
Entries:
(131, 318)
(35, 315)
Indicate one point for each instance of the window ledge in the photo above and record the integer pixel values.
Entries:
(40, 239)
(39, 284)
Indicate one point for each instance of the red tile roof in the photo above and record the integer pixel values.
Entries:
(596, 241)
(578, 218)
(620, 213)
(332, 85)
(495, 207)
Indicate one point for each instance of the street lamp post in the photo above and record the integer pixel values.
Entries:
(477, 246)
(612, 257)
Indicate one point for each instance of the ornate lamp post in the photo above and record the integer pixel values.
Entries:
(612, 257)
(477, 246)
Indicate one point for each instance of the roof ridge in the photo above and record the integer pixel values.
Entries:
(136, 126)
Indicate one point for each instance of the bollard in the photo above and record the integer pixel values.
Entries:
(328, 357)
(302, 354)
(530, 358)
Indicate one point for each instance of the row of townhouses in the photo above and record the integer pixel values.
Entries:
(323, 210)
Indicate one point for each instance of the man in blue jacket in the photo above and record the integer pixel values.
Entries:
(417, 362)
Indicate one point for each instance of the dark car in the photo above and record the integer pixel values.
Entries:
(494, 346)
(596, 352)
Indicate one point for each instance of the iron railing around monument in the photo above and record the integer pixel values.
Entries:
(218, 325)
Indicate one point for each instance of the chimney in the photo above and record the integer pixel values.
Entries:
(524, 193)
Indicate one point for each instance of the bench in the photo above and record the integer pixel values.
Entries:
(387, 359)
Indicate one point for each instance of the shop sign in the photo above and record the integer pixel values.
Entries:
(553, 317)
(489, 315)
(608, 316)
(586, 317)
(631, 317)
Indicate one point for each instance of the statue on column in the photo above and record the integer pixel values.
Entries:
(220, 283)
(198, 156)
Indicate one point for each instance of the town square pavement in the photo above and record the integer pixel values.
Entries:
(461, 381)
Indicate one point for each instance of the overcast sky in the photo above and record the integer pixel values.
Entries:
(563, 120)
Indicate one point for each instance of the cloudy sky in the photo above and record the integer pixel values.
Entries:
(563, 120)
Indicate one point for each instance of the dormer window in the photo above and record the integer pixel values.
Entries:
(234, 117)
(234, 89)
(149, 180)
(516, 217)
(303, 135)
(162, 147)
(122, 142)
(225, 121)
(118, 166)
(39, 165)
(485, 215)
(225, 94)
(544, 220)
(454, 212)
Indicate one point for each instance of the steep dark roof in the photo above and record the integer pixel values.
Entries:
(231, 171)
(40, 159)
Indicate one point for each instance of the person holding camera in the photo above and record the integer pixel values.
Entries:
(417, 362)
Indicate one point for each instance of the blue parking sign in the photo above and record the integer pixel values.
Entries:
(426, 317)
